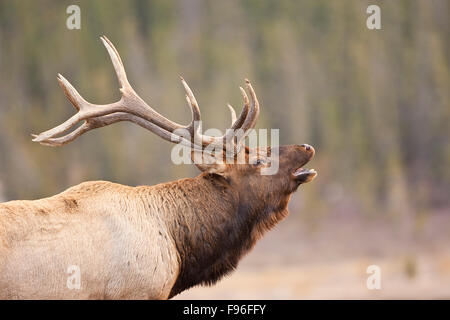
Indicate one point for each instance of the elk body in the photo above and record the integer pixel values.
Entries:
(147, 242)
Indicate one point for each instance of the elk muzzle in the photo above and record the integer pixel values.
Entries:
(302, 175)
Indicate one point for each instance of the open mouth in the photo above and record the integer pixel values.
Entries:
(304, 175)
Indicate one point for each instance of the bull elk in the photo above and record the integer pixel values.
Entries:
(147, 242)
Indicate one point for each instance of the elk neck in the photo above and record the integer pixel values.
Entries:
(213, 225)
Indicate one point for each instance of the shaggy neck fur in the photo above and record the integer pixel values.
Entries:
(211, 236)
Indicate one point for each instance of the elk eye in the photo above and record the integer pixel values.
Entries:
(259, 162)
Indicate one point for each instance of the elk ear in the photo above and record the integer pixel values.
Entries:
(208, 163)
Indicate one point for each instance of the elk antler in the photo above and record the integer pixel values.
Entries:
(132, 108)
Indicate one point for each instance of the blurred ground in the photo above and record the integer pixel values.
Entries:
(330, 262)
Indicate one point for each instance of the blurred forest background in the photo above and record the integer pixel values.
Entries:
(374, 103)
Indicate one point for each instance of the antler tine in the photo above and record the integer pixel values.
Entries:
(233, 114)
(204, 139)
(117, 63)
(195, 109)
(240, 121)
(253, 113)
(71, 93)
(60, 141)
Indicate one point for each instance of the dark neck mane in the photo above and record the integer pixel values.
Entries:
(214, 234)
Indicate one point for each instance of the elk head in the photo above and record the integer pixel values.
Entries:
(244, 175)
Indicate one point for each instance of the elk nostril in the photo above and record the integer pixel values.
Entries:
(306, 146)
